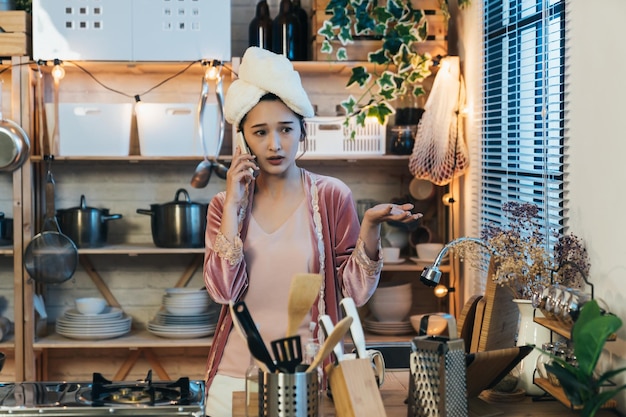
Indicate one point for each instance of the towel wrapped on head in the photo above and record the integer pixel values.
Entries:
(262, 72)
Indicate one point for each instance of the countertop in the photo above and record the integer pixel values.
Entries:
(394, 393)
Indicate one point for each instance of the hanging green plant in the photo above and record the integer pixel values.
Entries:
(398, 69)
(25, 5)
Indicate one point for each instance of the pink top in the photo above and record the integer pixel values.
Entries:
(268, 290)
(338, 254)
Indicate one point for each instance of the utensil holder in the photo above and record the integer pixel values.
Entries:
(437, 385)
(355, 390)
(288, 394)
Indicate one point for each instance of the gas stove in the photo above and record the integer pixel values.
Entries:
(101, 397)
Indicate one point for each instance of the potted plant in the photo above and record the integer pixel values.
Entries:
(585, 389)
(25, 5)
(398, 69)
(524, 263)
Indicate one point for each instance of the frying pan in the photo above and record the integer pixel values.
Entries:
(51, 257)
(14, 143)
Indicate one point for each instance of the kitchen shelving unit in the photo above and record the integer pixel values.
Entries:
(42, 355)
(556, 391)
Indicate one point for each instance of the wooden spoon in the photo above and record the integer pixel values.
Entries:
(303, 290)
(334, 337)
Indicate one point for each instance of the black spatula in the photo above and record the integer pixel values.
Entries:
(253, 337)
(287, 353)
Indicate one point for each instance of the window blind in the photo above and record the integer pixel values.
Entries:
(523, 110)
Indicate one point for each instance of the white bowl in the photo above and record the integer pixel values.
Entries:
(392, 304)
(391, 254)
(428, 251)
(187, 310)
(437, 325)
(90, 305)
(390, 312)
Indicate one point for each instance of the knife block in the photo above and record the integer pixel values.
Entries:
(354, 388)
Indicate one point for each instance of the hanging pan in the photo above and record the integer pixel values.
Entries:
(51, 257)
(14, 143)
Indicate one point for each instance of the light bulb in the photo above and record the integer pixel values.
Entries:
(441, 291)
(58, 72)
(211, 73)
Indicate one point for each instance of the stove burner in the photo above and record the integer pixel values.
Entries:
(105, 393)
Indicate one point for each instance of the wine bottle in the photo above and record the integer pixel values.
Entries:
(303, 24)
(285, 32)
(260, 29)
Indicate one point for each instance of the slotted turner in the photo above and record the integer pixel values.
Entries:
(287, 353)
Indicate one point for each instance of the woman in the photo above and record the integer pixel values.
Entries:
(261, 231)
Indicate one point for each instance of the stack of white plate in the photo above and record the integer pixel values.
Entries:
(186, 313)
(112, 322)
(387, 327)
(186, 301)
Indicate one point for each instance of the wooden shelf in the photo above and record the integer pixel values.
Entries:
(555, 326)
(409, 265)
(134, 340)
(6, 250)
(134, 249)
(157, 159)
(559, 394)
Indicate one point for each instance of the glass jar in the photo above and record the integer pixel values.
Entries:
(409, 110)
(252, 389)
(403, 140)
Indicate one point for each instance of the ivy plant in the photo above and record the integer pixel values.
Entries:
(398, 69)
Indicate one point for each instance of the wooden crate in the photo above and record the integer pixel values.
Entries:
(435, 44)
(359, 50)
(417, 4)
(15, 38)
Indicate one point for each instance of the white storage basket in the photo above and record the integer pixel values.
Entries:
(169, 129)
(91, 129)
(327, 136)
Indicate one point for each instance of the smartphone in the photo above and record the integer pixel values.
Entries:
(241, 142)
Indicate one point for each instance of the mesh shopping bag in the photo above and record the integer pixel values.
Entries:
(440, 152)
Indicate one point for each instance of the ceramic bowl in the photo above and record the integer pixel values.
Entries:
(391, 303)
(437, 325)
(90, 305)
(391, 254)
(428, 251)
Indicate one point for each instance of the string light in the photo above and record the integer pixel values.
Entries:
(441, 291)
(58, 72)
(213, 70)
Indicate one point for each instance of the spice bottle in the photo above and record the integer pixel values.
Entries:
(260, 28)
(285, 31)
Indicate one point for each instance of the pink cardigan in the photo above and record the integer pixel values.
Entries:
(347, 270)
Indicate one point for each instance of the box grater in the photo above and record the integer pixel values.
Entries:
(437, 385)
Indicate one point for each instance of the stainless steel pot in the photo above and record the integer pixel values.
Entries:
(6, 230)
(86, 226)
(179, 223)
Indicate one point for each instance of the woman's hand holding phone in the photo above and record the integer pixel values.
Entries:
(241, 142)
